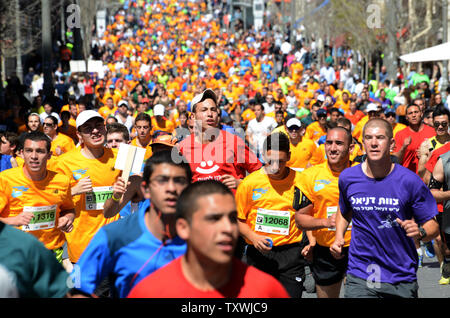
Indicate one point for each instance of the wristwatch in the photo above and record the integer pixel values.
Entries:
(422, 233)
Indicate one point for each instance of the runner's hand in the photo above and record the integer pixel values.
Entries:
(307, 252)
(230, 181)
(336, 248)
(119, 187)
(58, 151)
(23, 218)
(411, 228)
(331, 221)
(260, 243)
(65, 223)
(83, 186)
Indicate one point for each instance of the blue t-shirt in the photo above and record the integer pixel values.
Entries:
(125, 250)
(5, 162)
(378, 241)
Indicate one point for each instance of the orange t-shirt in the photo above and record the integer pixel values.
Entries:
(45, 198)
(320, 185)
(89, 206)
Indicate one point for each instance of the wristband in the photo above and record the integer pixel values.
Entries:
(114, 198)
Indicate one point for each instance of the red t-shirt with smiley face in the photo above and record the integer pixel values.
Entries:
(227, 154)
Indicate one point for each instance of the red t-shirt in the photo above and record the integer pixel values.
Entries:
(431, 163)
(228, 154)
(410, 159)
(246, 282)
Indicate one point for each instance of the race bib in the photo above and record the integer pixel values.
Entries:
(330, 211)
(274, 222)
(44, 217)
(95, 200)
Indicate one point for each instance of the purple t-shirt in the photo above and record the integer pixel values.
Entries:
(379, 250)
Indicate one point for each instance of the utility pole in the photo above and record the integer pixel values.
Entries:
(444, 83)
(19, 69)
(390, 56)
(47, 48)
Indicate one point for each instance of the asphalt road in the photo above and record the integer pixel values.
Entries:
(428, 276)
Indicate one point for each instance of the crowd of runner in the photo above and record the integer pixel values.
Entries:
(259, 161)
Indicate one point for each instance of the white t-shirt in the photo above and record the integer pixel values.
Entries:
(259, 131)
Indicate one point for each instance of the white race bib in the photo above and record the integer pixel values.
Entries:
(95, 200)
(330, 211)
(44, 217)
(274, 222)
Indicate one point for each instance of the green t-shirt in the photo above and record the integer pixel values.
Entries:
(36, 270)
(419, 78)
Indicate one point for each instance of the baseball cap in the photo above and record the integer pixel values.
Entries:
(293, 122)
(86, 115)
(321, 112)
(158, 110)
(122, 102)
(112, 86)
(167, 140)
(321, 98)
(207, 93)
(145, 100)
(389, 111)
(372, 107)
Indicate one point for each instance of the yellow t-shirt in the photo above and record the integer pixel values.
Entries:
(357, 131)
(167, 126)
(301, 154)
(105, 111)
(89, 206)
(45, 198)
(398, 127)
(148, 149)
(260, 198)
(314, 131)
(281, 129)
(320, 185)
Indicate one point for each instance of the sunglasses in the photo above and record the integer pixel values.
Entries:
(444, 124)
(390, 115)
(48, 124)
(294, 128)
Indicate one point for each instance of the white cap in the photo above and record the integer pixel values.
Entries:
(122, 102)
(293, 122)
(207, 93)
(158, 110)
(86, 115)
(321, 98)
(372, 107)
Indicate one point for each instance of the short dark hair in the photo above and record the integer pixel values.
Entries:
(53, 119)
(258, 104)
(118, 128)
(333, 110)
(187, 202)
(38, 136)
(441, 111)
(144, 117)
(277, 141)
(161, 157)
(11, 137)
(343, 121)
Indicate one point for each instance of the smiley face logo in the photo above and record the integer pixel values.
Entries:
(206, 167)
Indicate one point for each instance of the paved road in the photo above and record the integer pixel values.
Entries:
(428, 277)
